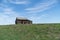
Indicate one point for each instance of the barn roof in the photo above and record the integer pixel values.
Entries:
(21, 18)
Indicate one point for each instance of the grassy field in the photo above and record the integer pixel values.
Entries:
(30, 32)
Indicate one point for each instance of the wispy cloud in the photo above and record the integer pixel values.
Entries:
(39, 7)
(19, 1)
(36, 18)
(7, 15)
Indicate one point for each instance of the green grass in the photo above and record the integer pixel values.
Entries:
(30, 32)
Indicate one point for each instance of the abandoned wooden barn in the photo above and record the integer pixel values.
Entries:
(20, 20)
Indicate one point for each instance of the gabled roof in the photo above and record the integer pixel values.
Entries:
(21, 18)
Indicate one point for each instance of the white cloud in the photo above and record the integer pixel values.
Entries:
(9, 11)
(4, 20)
(7, 15)
(3, 6)
(39, 7)
(19, 1)
(37, 19)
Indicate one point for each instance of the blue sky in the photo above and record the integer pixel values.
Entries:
(39, 11)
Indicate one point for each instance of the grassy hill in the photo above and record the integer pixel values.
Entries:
(30, 32)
